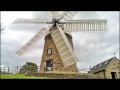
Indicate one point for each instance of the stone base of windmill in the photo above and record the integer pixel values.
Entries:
(53, 62)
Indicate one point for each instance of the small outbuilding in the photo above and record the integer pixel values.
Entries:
(109, 69)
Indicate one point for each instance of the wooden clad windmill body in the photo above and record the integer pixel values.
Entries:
(58, 52)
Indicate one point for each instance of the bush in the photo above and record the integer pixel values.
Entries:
(29, 67)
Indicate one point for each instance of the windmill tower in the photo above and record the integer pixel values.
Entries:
(58, 52)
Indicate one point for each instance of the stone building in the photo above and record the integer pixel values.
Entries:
(51, 60)
(109, 69)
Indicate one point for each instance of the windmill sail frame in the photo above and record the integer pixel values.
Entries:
(58, 35)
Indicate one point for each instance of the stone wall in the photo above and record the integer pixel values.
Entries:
(101, 74)
(57, 62)
(112, 67)
(65, 76)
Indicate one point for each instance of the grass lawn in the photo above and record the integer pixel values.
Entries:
(20, 76)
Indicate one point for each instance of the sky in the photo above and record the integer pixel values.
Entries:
(91, 47)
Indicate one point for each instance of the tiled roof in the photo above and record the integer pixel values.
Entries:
(101, 66)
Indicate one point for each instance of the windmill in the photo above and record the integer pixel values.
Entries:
(58, 52)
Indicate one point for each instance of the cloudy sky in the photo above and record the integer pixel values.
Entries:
(91, 47)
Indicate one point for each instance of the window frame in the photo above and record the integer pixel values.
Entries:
(48, 51)
(50, 61)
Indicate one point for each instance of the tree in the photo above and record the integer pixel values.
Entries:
(29, 67)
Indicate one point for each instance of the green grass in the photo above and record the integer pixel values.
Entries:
(20, 76)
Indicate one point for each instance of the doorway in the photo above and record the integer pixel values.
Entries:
(49, 65)
(113, 74)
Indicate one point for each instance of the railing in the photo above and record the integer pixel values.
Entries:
(17, 69)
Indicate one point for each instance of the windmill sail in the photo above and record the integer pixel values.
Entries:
(85, 25)
(68, 15)
(62, 44)
(64, 49)
(31, 21)
(55, 13)
(32, 42)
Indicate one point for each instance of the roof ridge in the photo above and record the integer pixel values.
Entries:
(105, 61)
(102, 65)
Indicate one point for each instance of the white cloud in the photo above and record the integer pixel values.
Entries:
(8, 17)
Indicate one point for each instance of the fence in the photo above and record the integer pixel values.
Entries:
(17, 69)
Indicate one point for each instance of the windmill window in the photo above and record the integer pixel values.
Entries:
(106, 62)
(95, 66)
(49, 51)
(49, 63)
(100, 64)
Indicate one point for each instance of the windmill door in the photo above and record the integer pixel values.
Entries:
(113, 74)
(49, 65)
